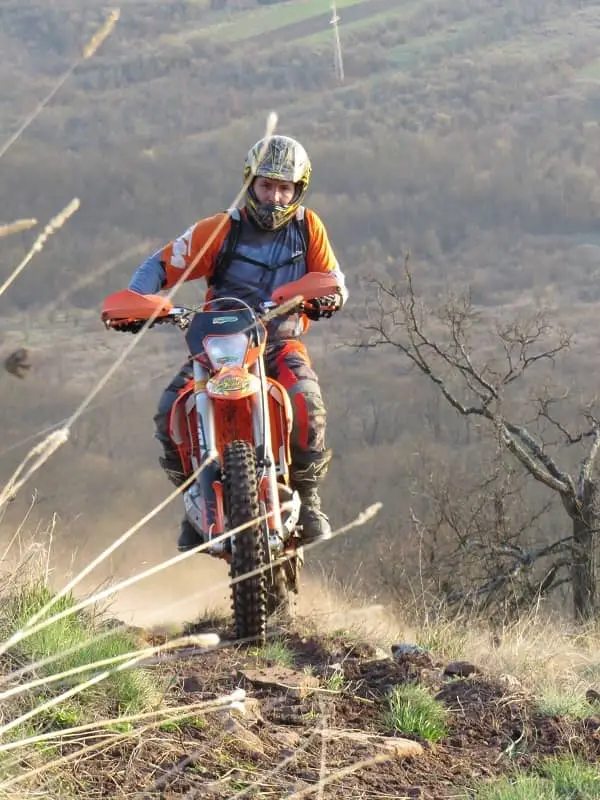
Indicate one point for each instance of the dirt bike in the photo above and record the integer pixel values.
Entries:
(235, 422)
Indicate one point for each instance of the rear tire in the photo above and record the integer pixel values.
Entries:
(242, 506)
(282, 580)
(279, 600)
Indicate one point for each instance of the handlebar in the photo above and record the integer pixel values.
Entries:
(180, 315)
(176, 316)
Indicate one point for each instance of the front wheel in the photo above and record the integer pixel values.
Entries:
(241, 501)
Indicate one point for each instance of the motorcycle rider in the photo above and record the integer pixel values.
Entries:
(271, 240)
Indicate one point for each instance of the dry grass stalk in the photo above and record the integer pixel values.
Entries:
(341, 773)
(199, 640)
(282, 764)
(15, 227)
(538, 652)
(115, 738)
(55, 223)
(30, 628)
(35, 666)
(316, 733)
(40, 453)
(271, 123)
(98, 38)
(115, 545)
(74, 690)
(323, 760)
(80, 687)
(19, 530)
(232, 701)
(131, 388)
(361, 519)
(90, 48)
(86, 280)
(37, 110)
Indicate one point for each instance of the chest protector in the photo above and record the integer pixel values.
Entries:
(253, 263)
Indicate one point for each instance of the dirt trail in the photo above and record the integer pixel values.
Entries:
(198, 587)
(178, 595)
(301, 727)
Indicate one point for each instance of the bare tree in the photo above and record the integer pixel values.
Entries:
(448, 346)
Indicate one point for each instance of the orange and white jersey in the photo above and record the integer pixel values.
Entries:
(262, 261)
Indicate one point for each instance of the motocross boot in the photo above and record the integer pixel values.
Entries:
(306, 474)
(172, 468)
(188, 535)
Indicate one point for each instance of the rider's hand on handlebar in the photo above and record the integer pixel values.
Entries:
(134, 326)
(323, 306)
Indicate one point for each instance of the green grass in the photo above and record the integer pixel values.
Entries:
(124, 692)
(413, 710)
(274, 652)
(555, 701)
(572, 779)
(562, 779)
(175, 726)
(326, 37)
(335, 682)
(444, 638)
(527, 787)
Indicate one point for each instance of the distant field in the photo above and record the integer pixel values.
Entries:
(309, 22)
(287, 16)
(350, 23)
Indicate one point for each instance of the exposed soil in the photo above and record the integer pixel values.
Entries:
(297, 729)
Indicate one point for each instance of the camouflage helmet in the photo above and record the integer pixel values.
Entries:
(279, 158)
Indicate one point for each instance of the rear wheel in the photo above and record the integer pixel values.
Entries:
(282, 580)
(242, 505)
(279, 600)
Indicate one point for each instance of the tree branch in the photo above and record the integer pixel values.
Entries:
(544, 404)
(585, 473)
(534, 456)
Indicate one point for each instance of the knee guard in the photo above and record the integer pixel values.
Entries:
(309, 467)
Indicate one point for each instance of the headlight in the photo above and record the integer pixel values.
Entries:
(226, 351)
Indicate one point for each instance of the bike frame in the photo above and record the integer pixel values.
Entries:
(235, 402)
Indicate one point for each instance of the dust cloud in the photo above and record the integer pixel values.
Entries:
(181, 593)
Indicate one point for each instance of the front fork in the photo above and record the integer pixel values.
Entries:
(265, 459)
(277, 533)
(200, 499)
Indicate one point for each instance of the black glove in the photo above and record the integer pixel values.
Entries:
(324, 306)
(127, 327)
